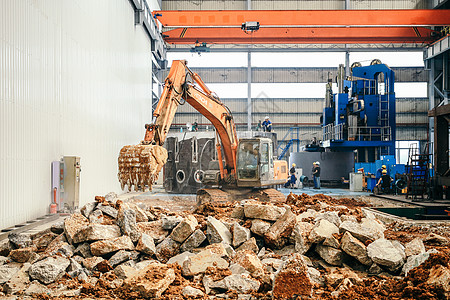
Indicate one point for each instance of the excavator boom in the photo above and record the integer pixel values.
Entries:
(139, 165)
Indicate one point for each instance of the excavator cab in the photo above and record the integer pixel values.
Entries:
(255, 164)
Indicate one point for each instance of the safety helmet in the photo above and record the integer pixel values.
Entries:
(266, 118)
(317, 163)
(384, 172)
(293, 165)
(383, 166)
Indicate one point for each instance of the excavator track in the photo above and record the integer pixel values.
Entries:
(139, 165)
(212, 195)
(271, 195)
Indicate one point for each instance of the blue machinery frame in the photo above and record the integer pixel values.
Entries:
(362, 115)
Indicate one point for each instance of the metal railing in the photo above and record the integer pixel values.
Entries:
(357, 133)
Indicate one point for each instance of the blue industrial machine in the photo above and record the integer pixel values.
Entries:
(361, 116)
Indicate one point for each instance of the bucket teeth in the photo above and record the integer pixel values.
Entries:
(139, 166)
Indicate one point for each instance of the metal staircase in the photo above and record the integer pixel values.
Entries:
(418, 173)
(294, 134)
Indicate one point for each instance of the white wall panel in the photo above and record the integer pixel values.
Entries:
(75, 79)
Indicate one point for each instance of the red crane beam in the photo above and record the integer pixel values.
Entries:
(303, 26)
(301, 35)
(305, 18)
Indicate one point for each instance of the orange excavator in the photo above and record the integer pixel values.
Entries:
(245, 168)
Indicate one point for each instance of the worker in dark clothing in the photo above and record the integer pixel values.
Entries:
(292, 178)
(316, 175)
(380, 171)
(385, 182)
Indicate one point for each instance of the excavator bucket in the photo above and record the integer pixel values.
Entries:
(139, 165)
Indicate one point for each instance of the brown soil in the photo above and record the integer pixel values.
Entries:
(413, 286)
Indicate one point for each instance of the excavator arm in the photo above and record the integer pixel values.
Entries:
(136, 162)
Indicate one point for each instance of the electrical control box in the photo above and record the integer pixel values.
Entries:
(71, 182)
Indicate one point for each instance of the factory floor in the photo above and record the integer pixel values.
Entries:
(335, 192)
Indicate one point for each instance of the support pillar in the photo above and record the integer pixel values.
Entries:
(249, 90)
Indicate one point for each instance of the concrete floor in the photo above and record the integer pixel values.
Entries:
(326, 191)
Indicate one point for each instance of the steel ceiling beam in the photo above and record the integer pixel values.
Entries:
(305, 18)
(303, 26)
(353, 35)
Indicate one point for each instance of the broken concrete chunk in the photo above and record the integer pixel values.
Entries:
(238, 269)
(414, 247)
(322, 230)
(354, 247)
(166, 249)
(73, 224)
(184, 229)
(240, 234)
(49, 269)
(268, 212)
(315, 276)
(310, 213)
(292, 280)
(238, 212)
(169, 222)
(191, 292)
(126, 219)
(6, 272)
(200, 262)
(301, 237)
(119, 258)
(74, 266)
(365, 231)
(87, 209)
(193, 241)
(141, 216)
(330, 216)
(151, 281)
(249, 261)
(19, 281)
(242, 284)
(111, 197)
(94, 232)
(96, 217)
(108, 210)
(146, 244)
(125, 270)
(20, 240)
(217, 232)
(331, 255)
(84, 250)
(91, 262)
(44, 240)
(414, 261)
(22, 255)
(103, 247)
(36, 288)
(153, 229)
(332, 242)
(279, 232)
(180, 258)
(260, 227)
(249, 245)
(383, 253)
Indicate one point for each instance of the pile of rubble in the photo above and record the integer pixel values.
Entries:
(306, 247)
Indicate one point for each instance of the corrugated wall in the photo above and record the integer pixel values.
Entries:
(75, 79)
(297, 75)
(305, 113)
